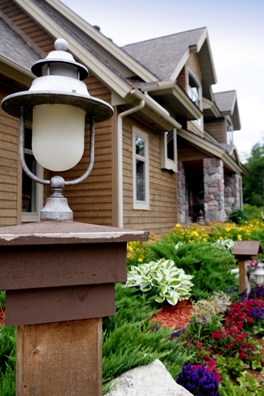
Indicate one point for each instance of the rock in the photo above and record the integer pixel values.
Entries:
(150, 380)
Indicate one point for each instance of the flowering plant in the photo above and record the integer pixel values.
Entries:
(199, 380)
(170, 283)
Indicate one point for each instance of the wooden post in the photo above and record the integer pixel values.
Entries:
(242, 276)
(59, 279)
(62, 358)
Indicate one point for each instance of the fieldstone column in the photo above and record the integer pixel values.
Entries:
(214, 205)
(232, 192)
(182, 195)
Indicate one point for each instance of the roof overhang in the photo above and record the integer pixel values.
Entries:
(213, 150)
(210, 109)
(173, 97)
(152, 114)
(94, 63)
(15, 72)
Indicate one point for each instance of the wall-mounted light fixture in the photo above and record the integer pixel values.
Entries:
(58, 105)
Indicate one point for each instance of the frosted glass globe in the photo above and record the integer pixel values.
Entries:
(58, 135)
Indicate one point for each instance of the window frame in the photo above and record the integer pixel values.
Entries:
(27, 217)
(137, 204)
(167, 163)
(196, 98)
(229, 132)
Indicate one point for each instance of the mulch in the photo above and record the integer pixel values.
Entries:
(174, 317)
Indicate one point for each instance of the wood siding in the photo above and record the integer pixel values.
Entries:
(163, 186)
(194, 128)
(186, 152)
(217, 128)
(23, 24)
(182, 79)
(10, 171)
(192, 64)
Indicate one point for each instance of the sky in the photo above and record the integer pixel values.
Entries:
(236, 35)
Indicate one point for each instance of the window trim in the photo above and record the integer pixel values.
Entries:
(140, 205)
(27, 217)
(229, 131)
(167, 163)
(198, 122)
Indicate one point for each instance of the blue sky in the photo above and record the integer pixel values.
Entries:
(236, 34)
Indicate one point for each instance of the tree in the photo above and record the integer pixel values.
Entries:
(253, 185)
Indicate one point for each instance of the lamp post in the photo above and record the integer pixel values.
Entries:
(258, 273)
(59, 274)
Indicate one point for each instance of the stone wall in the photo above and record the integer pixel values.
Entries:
(232, 193)
(182, 195)
(214, 203)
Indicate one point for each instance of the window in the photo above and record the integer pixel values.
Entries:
(194, 92)
(229, 132)
(32, 192)
(140, 170)
(169, 151)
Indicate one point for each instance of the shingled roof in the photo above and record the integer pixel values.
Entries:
(162, 55)
(227, 104)
(13, 47)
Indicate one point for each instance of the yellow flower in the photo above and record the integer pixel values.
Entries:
(204, 239)
(140, 259)
(239, 237)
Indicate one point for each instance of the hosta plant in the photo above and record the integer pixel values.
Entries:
(162, 277)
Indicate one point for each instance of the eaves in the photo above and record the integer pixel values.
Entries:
(212, 149)
(94, 63)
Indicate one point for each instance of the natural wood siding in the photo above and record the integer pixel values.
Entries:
(182, 79)
(91, 200)
(186, 152)
(217, 128)
(39, 39)
(193, 65)
(194, 128)
(163, 186)
(10, 175)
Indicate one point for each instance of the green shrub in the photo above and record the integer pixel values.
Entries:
(238, 216)
(210, 270)
(253, 212)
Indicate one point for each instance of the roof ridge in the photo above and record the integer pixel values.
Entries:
(161, 37)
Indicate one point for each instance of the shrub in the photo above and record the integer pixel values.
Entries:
(238, 216)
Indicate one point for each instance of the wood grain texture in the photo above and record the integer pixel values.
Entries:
(60, 359)
(24, 267)
(24, 307)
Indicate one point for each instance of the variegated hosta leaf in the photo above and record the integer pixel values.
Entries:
(170, 282)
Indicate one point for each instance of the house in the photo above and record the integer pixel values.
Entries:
(165, 155)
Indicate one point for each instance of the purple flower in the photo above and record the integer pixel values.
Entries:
(198, 380)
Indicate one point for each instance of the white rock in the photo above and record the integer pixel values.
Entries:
(150, 380)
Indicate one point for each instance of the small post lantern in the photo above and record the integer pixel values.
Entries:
(258, 273)
(58, 274)
(244, 251)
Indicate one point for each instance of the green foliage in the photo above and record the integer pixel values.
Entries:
(7, 361)
(253, 184)
(238, 216)
(131, 340)
(162, 277)
(2, 299)
(232, 366)
(210, 270)
(253, 211)
(247, 386)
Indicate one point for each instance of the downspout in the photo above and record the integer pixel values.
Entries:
(120, 157)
